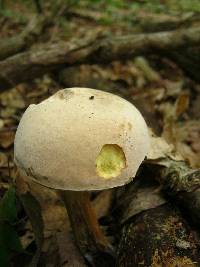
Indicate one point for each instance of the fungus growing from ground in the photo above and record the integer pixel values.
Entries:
(78, 140)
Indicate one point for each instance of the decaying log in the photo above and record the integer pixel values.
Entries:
(16, 44)
(53, 56)
(155, 233)
(158, 237)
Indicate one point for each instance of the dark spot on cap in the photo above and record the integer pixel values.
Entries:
(65, 94)
(91, 97)
(61, 94)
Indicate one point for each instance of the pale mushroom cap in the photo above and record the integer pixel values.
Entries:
(81, 139)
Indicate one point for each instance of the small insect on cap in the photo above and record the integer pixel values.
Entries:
(81, 139)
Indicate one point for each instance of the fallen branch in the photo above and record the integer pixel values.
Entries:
(16, 44)
(145, 22)
(165, 22)
(53, 56)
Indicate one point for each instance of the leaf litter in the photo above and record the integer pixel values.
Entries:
(172, 110)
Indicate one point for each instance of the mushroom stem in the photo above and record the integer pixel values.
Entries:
(89, 237)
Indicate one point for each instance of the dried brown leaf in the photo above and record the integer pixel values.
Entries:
(144, 199)
(181, 104)
(149, 73)
(13, 99)
(58, 247)
(6, 138)
(161, 149)
(3, 160)
(69, 255)
(173, 88)
(1, 124)
(102, 203)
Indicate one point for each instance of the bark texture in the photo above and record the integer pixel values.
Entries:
(158, 237)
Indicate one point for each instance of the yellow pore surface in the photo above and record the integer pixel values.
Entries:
(110, 161)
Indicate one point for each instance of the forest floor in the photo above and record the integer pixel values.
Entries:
(168, 97)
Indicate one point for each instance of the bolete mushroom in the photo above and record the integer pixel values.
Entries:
(78, 140)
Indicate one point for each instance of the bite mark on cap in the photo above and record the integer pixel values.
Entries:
(110, 161)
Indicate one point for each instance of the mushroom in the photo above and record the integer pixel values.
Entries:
(78, 140)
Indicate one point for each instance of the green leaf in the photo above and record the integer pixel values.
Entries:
(8, 210)
(9, 238)
(9, 241)
(4, 256)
